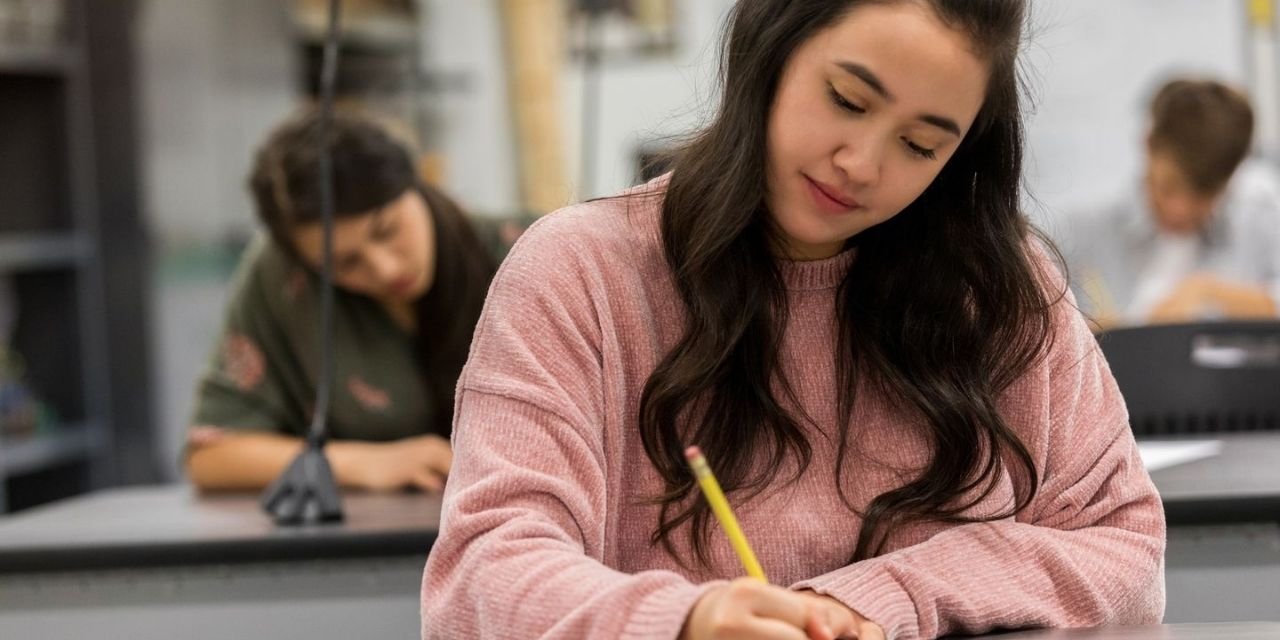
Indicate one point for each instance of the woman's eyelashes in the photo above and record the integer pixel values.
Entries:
(384, 228)
(845, 104)
(348, 264)
(927, 154)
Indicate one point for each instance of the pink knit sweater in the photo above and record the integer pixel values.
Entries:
(546, 526)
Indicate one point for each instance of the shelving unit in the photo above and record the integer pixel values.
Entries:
(52, 253)
(72, 443)
(37, 61)
(22, 251)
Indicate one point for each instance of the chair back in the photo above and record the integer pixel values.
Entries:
(1197, 378)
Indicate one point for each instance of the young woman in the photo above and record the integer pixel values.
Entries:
(411, 275)
(835, 296)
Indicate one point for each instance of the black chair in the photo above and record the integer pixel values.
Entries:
(1197, 378)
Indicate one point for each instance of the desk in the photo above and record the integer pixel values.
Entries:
(1241, 484)
(163, 562)
(1223, 559)
(1226, 631)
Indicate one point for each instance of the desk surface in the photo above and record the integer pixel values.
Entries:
(166, 525)
(1216, 631)
(142, 526)
(1240, 484)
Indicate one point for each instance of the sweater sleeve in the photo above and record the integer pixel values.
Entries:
(523, 531)
(1088, 551)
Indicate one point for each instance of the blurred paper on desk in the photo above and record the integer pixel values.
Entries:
(1160, 454)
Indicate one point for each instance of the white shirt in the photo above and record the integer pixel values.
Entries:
(1172, 259)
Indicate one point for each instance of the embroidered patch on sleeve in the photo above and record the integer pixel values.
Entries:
(203, 435)
(295, 283)
(369, 396)
(243, 362)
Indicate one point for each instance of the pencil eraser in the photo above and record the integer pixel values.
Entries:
(692, 452)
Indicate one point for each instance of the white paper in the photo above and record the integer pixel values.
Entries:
(1160, 454)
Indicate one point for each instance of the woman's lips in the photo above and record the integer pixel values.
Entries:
(828, 198)
(403, 285)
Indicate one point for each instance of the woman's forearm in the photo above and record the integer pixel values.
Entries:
(251, 461)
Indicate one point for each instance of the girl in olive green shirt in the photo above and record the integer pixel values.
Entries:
(410, 274)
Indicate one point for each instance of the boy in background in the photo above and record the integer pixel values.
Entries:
(1201, 238)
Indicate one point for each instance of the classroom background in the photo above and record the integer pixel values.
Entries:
(183, 91)
(127, 128)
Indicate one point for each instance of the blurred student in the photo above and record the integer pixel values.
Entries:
(410, 273)
(1200, 239)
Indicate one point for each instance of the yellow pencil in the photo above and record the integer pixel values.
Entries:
(720, 506)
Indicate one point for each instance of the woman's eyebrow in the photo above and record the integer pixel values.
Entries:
(864, 74)
(379, 220)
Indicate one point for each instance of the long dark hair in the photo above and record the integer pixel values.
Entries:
(943, 307)
(371, 169)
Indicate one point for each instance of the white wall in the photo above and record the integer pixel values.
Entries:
(1095, 64)
(463, 40)
(641, 100)
(215, 76)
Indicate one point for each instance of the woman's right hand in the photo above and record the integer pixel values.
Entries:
(750, 609)
(421, 462)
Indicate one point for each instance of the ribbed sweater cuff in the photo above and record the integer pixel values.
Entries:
(872, 591)
(661, 613)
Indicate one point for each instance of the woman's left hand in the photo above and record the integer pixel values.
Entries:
(832, 619)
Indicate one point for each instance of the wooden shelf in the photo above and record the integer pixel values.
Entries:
(35, 61)
(39, 250)
(41, 451)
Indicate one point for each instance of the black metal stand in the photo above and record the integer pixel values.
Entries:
(307, 492)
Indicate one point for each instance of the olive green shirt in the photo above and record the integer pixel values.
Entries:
(262, 373)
